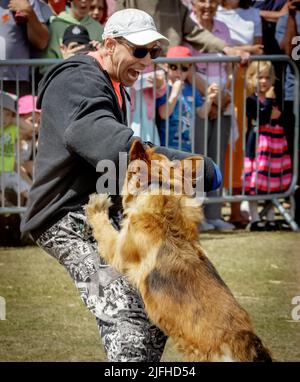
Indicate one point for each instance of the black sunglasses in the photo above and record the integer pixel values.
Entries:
(141, 51)
(182, 67)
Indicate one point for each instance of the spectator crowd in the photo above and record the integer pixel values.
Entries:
(209, 119)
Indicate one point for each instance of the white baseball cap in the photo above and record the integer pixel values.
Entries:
(134, 25)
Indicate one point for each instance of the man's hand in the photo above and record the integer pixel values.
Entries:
(233, 51)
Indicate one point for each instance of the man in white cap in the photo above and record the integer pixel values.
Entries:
(83, 122)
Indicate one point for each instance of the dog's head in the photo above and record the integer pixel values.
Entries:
(151, 172)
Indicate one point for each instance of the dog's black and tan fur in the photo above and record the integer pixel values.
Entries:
(158, 249)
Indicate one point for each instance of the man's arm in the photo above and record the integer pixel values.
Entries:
(200, 38)
(37, 32)
(116, 138)
(93, 131)
(273, 16)
(203, 40)
(286, 33)
(212, 173)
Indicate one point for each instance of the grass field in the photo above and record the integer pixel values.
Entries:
(46, 320)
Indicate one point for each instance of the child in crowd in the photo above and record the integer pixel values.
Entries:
(76, 39)
(99, 11)
(78, 14)
(10, 177)
(178, 107)
(142, 120)
(267, 164)
(30, 116)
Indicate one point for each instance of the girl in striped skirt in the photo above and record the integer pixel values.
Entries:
(267, 163)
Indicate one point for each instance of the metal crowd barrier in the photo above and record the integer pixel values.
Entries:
(220, 198)
(228, 196)
(16, 205)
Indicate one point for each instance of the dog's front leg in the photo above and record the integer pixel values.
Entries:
(97, 216)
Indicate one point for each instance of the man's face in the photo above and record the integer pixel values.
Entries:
(125, 66)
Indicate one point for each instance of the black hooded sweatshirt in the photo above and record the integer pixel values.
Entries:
(81, 124)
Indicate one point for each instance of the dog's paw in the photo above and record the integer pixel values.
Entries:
(98, 203)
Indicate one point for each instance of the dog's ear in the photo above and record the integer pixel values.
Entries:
(138, 151)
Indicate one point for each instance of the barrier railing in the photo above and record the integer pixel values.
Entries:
(15, 204)
(229, 196)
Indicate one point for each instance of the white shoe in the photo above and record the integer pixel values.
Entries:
(245, 206)
(205, 227)
(221, 225)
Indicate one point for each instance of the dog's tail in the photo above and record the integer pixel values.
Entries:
(248, 347)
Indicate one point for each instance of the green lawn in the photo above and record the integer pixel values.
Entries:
(46, 320)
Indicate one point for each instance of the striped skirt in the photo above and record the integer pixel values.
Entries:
(271, 171)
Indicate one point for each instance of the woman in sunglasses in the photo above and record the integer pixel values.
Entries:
(177, 105)
(84, 123)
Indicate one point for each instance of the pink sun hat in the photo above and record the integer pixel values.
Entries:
(27, 104)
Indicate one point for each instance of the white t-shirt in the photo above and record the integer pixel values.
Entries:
(243, 24)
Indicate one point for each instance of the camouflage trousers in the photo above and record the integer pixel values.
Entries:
(126, 332)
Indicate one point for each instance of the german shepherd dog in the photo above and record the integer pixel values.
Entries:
(158, 250)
